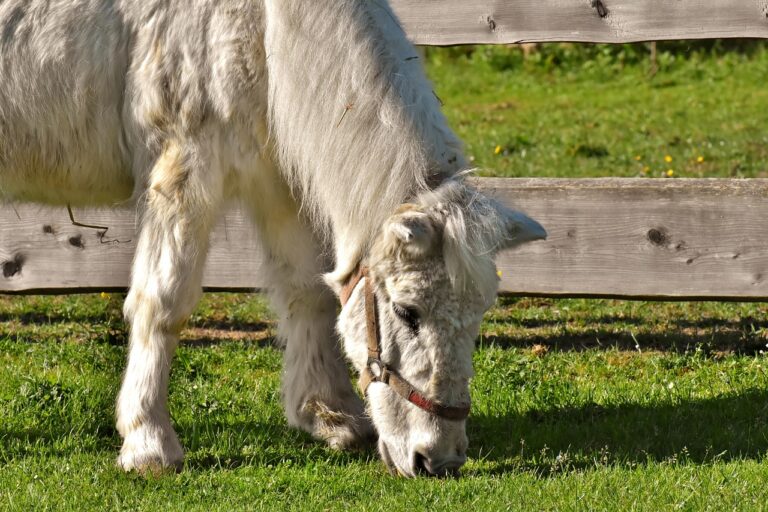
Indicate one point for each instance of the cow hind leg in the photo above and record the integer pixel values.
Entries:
(180, 206)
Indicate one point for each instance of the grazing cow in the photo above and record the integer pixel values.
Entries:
(317, 116)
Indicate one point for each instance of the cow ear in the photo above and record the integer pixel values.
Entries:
(410, 233)
(474, 228)
(515, 228)
(479, 222)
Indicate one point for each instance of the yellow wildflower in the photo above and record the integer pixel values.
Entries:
(498, 273)
(670, 173)
(497, 150)
(700, 159)
(638, 157)
(646, 169)
(104, 295)
(668, 158)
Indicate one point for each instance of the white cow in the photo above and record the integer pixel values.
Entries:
(318, 117)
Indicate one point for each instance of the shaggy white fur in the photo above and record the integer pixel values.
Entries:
(318, 117)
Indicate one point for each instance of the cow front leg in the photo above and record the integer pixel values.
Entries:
(316, 390)
(179, 209)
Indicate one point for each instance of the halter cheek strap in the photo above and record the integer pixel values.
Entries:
(377, 371)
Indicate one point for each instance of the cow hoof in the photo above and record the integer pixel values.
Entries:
(357, 435)
(151, 451)
(341, 430)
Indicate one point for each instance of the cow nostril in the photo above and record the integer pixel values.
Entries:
(453, 469)
(420, 464)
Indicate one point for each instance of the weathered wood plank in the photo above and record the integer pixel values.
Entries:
(448, 22)
(632, 238)
(642, 238)
(41, 251)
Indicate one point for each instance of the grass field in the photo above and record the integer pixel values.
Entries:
(700, 116)
(577, 404)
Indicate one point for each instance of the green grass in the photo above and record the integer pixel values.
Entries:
(577, 404)
(590, 121)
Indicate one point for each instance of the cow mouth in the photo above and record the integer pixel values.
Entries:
(389, 462)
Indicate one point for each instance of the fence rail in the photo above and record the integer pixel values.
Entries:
(631, 238)
(451, 22)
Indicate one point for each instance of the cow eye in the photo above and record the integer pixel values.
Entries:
(409, 316)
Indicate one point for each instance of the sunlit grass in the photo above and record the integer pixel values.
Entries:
(698, 118)
(616, 404)
(577, 404)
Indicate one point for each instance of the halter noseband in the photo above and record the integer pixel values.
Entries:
(378, 371)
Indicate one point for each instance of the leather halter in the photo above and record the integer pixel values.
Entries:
(378, 371)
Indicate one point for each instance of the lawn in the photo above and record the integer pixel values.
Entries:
(701, 115)
(577, 404)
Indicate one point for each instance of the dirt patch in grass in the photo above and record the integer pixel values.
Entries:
(207, 336)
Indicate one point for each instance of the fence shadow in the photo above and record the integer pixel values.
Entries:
(197, 334)
(567, 438)
(734, 337)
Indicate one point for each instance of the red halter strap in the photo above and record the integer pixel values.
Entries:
(378, 371)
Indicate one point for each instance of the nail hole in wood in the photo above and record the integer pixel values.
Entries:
(48, 229)
(602, 10)
(77, 241)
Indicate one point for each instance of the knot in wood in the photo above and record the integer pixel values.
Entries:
(658, 236)
(13, 267)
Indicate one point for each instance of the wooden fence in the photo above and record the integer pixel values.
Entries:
(450, 22)
(634, 238)
(631, 238)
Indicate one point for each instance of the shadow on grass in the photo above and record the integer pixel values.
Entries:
(37, 318)
(544, 442)
(265, 444)
(115, 332)
(537, 323)
(562, 439)
(747, 324)
(25, 443)
(735, 337)
(209, 443)
(244, 337)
